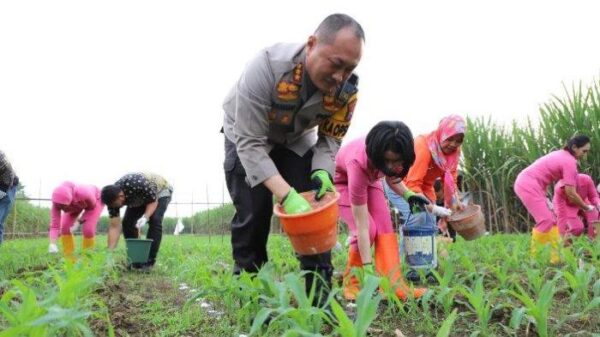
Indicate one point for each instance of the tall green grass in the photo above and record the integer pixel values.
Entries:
(27, 219)
(494, 154)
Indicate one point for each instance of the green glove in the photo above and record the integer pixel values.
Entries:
(322, 183)
(416, 202)
(368, 269)
(294, 203)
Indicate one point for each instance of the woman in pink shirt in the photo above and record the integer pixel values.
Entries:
(569, 216)
(531, 185)
(387, 151)
(69, 200)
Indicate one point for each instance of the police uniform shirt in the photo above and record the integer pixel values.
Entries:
(271, 104)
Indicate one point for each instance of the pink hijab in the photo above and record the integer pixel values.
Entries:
(449, 126)
(63, 194)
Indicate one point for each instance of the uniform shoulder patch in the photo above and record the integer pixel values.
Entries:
(337, 125)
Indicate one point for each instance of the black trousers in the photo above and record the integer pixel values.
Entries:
(132, 214)
(254, 206)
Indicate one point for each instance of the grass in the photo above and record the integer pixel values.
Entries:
(191, 292)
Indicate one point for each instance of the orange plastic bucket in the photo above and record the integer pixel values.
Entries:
(312, 232)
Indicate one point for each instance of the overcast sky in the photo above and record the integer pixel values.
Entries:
(92, 90)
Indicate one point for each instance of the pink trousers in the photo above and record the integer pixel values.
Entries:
(90, 220)
(533, 198)
(574, 225)
(380, 221)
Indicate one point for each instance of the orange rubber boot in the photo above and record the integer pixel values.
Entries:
(387, 263)
(351, 284)
(68, 244)
(88, 243)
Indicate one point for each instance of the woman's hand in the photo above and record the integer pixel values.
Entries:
(361, 219)
(443, 226)
(393, 180)
(457, 207)
(441, 212)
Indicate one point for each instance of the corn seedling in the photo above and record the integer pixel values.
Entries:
(367, 303)
(278, 309)
(480, 302)
(57, 302)
(580, 283)
(535, 279)
(538, 308)
(446, 327)
(445, 292)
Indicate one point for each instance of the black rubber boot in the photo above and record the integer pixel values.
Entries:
(413, 276)
(321, 279)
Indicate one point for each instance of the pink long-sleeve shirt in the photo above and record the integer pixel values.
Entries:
(72, 198)
(353, 173)
(586, 190)
(556, 165)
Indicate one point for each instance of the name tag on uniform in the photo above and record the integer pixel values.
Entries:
(337, 125)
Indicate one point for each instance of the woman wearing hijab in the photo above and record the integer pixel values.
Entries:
(69, 201)
(388, 152)
(531, 185)
(436, 157)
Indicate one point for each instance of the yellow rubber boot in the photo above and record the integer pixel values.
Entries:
(88, 243)
(351, 284)
(551, 237)
(387, 263)
(554, 242)
(68, 244)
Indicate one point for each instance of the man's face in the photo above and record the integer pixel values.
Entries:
(330, 64)
(118, 203)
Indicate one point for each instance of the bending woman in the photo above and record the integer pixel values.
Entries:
(568, 215)
(388, 152)
(531, 184)
(437, 156)
(69, 200)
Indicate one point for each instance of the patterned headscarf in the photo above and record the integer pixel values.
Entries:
(449, 126)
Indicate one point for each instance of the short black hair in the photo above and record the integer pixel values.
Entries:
(109, 194)
(392, 136)
(578, 141)
(331, 25)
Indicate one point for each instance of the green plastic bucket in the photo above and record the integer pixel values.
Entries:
(138, 250)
